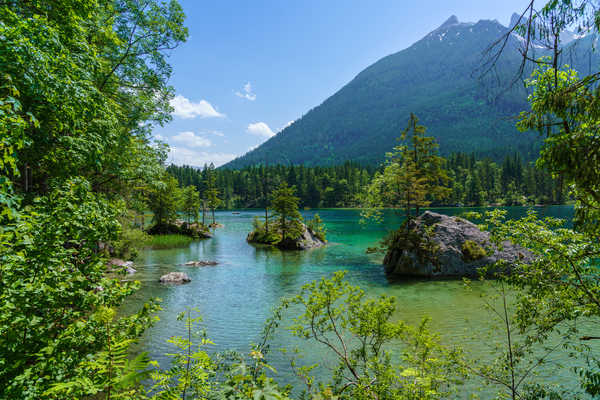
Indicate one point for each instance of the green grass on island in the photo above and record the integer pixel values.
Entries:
(168, 241)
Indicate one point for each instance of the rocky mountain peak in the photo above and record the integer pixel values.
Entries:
(453, 20)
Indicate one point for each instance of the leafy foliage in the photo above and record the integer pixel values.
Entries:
(164, 200)
(82, 84)
(53, 279)
(316, 226)
(359, 332)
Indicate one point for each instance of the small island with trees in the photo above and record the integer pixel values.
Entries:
(287, 231)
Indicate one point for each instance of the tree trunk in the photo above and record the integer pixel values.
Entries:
(266, 220)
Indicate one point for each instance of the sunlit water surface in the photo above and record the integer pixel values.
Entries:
(236, 296)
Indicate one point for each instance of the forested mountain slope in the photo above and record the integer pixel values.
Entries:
(439, 78)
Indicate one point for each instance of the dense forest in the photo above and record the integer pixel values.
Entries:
(474, 182)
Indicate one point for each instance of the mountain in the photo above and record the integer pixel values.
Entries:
(439, 78)
(566, 36)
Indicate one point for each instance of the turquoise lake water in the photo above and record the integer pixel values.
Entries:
(236, 296)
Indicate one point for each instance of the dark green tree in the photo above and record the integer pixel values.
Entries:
(413, 175)
(164, 199)
(285, 204)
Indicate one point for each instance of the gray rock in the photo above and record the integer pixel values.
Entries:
(175, 277)
(306, 241)
(443, 253)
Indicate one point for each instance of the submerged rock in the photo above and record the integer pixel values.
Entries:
(127, 265)
(439, 246)
(175, 277)
(201, 263)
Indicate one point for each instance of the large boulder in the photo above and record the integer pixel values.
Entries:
(439, 246)
(175, 278)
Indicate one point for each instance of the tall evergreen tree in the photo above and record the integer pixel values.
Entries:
(285, 205)
(413, 175)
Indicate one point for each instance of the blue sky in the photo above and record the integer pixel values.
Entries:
(251, 67)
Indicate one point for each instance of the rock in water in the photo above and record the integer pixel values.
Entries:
(175, 277)
(201, 263)
(308, 240)
(453, 248)
(127, 265)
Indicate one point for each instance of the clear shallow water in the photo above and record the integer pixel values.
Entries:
(236, 296)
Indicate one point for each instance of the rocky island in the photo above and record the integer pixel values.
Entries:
(439, 246)
(288, 231)
(307, 239)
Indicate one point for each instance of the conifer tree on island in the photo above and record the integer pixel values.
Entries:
(288, 228)
(285, 205)
(413, 176)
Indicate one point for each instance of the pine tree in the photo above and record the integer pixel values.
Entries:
(285, 205)
(191, 203)
(212, 192)
(413, 176)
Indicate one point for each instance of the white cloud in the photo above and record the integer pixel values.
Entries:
(195, 158)
(288, 124)
(260, 129)
(247, 93)
(190, 139)
(186, 109)
(216, 133)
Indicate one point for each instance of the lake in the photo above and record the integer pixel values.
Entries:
(236, 296)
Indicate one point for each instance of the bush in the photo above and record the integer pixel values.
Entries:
(194, 230)
(259, 234)
(317, 228)
(129, 243)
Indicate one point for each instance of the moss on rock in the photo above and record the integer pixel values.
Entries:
(472, 251)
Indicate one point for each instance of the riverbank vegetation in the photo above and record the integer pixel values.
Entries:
(82, 85)
(168, 241)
